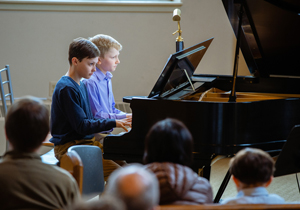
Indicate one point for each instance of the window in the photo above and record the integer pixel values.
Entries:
(92, 5)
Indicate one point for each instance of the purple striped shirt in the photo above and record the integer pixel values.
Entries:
(101, 97)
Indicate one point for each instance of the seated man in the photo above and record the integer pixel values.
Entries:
(252, 171)
(134, 185)
(26, 182)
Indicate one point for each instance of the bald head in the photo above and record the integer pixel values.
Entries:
(133, 184)
(136, 186)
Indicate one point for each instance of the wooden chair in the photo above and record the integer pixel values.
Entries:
(47, 142)
(72, 163)
(93, 178)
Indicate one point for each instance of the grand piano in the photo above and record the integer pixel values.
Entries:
(266, 105)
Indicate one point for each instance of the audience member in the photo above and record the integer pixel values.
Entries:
(72, 121)
(168, 153)
(252, 171)
(26, 182)
(134, 185)
(105, 202)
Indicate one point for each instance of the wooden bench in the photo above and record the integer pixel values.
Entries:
(47, 142)
(231, 207)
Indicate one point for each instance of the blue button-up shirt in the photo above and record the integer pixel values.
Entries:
(256, 195)
(101, 96)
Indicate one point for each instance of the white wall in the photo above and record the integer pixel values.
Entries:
(35, 44)
(2, 137)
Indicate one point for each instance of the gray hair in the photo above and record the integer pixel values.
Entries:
(136, 186)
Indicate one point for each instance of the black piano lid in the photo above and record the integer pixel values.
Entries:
(173, 75)
(270, 39)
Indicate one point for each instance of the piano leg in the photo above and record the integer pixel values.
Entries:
(202, 166)
(222, 187)
(206, 171)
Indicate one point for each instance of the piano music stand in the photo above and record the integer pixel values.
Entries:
(178, 69)
(288, 159)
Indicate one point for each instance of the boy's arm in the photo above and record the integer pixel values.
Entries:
(70, 103)
(118, 113)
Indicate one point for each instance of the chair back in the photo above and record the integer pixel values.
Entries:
(93, 178)
(71, 162)
(4, 95)
(5, 91)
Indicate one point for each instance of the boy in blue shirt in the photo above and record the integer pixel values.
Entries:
(252, 171)
(72, 121)
(99, 85)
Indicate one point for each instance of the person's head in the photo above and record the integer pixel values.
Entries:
(27, 124)
(105, 202)
(109, 52)
(83, 56)
(169, 140)
(81, 48)
(252, 168)
(134, 185)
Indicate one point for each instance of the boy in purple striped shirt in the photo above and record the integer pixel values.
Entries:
(99, 85)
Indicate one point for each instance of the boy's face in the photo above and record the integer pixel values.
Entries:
(110, 61)
(86, 67)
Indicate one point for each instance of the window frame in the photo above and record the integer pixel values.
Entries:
(90, 5)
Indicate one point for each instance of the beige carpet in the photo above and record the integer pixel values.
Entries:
(284, 186)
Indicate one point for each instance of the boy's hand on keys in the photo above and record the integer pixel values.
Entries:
(122, 123)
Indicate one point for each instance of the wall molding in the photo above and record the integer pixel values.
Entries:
(90, 6)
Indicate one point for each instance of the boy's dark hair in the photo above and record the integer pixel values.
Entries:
(27, 124)
(252, 166)
(169, 140)
(82, 48)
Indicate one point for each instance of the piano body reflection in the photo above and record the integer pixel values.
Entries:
(267, 104)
